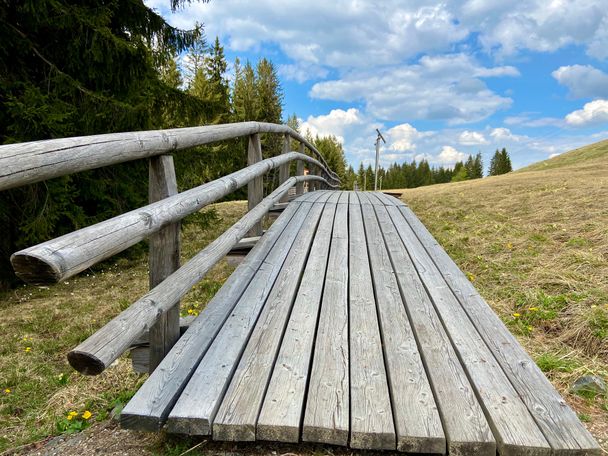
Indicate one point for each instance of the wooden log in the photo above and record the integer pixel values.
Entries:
(326, 416)
(93, 355)
(26, 163)
(163, 258)
(149, 408)
(514, 429)
(281, 415)
(371, 421)
(284, 169)
(195, 409)
(237, 416)
(255, 188)
(65, 256)
(300, 170)
(558, 422)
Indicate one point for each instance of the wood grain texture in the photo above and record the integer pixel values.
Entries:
(150, 406)
(237, 416)
(65, 256)
(371, 422)
(558, 422)
(26, 163)
(417, 421)
(326, 417)
(255, 188)
(197, 406)
(465, 426)
(163, 258)
(513, 427)
(281, 415)
(102, 348)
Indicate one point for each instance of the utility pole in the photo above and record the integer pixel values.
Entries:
(378, 138)
(380, 183)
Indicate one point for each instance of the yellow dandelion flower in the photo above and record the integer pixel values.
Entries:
(190, 311)
(533, 309)
(28, 349)
(530, 328)
(516, 315)
(86, 415)
(7, 391)
(470, 276)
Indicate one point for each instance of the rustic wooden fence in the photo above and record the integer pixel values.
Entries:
(156, 313)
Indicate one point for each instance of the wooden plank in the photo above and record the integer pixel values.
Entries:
(284, 169)
(300, 170)
(417, 421)
(281, 415)
(150, 406)
(163, 258)
(514, 428)
(237, 416)
(26, 163)
(326, 417)
(195, 409)
(464, 423)
(371, 422)
(386, 200)
(72, 253)
(560, 425)
(255, 188)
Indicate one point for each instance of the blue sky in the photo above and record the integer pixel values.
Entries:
(441, 80)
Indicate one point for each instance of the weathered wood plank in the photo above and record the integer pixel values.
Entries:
(195, 409)
(300, 170)
(72, 253)
(102, 348)
(150, 406)
(163, 259)
(237, 415)
(284, 169)
(281, 415)
(326, 417)
(560, 425)
(417, 420)
(513, 427)
(26, 163)
(464, 423)
(371, 422)
(255, 188)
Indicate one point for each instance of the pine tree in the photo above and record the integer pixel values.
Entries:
(501, 163)
(506, 162)
(469, 166)
(215, 66)
(244, 93)
(477, 167)
(333, 152)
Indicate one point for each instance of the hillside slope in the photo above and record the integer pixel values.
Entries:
(593, 154)
(535, 244)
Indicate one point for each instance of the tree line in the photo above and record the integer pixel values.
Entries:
(416, 174)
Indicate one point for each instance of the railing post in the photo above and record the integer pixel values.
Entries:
(163, 258)
(255, 188)
(300, 171)
(284, 169)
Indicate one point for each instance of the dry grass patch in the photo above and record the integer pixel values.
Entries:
(39, 325)
(535, 244)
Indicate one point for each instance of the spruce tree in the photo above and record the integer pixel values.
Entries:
(506, 166)
(477, 167)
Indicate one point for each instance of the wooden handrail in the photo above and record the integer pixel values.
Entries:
(65, 256)
(30, 162)
(100, 350)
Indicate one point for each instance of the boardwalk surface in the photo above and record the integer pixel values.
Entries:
(348, 324)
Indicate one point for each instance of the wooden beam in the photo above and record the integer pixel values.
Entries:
(255, 188)
(284, 169)
(61, 258)
(300, 170)
(163, 258)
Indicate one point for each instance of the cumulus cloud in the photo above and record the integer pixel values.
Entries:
(503, 134)
(593, 113)
(448, 156)
(583, 81)
(472, 138)
(437, 88)
(403, 137)
(337, 123)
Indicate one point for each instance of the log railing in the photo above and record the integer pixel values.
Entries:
(158, 311)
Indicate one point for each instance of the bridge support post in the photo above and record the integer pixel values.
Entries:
(284, 169)
(300, 171)
(163, 258)
(255, 188)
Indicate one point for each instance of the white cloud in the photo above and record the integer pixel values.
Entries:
(336, 123)
(472, 138)
(527, 120)
(436, 88)
(583, 81)
(448, 156)
(402, 137)
(302, 72)
(593, 113)
(503, 134)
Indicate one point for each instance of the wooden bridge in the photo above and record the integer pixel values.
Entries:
(346, 324)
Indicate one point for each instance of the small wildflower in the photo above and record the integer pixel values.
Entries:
(7, 391)
(517, 315)
(533, 309)
(509, 246)
(28, 349)
(190, 311)
(72, 415)
(86, 415)
(530, 328)
(470, 276)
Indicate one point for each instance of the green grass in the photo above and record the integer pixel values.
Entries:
(598, 150)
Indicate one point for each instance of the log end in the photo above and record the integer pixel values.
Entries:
(33, 269)
(86, 363)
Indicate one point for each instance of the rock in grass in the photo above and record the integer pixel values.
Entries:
(589, 385)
